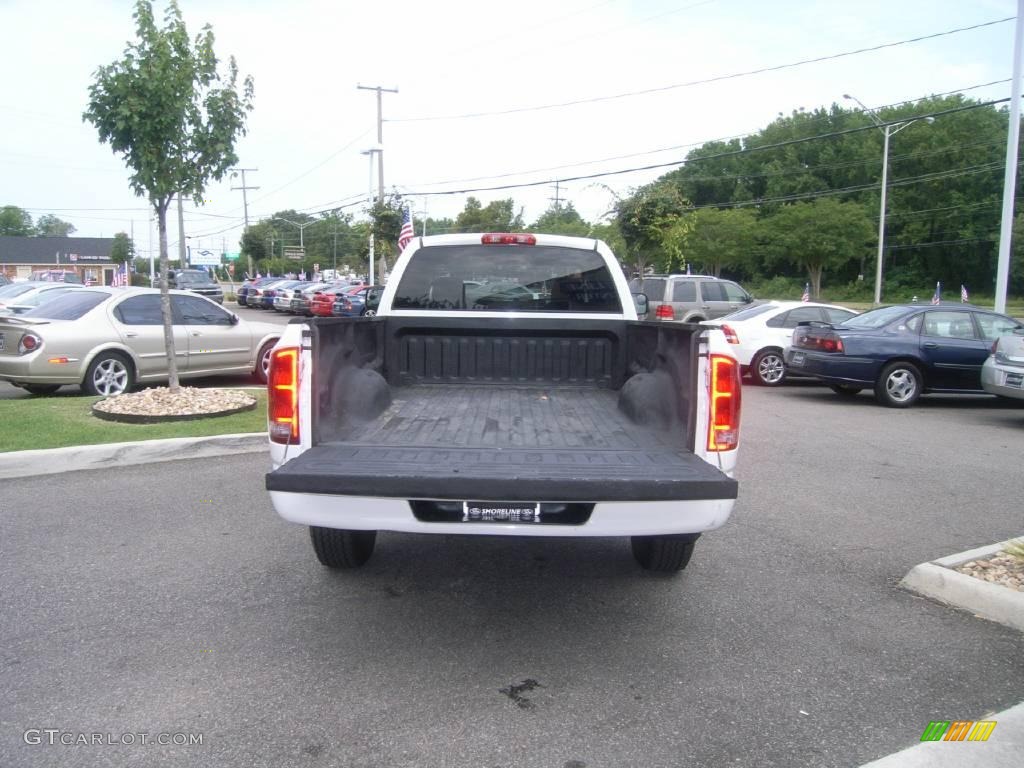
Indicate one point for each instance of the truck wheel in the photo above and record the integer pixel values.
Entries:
(663, 554)
(342, 549)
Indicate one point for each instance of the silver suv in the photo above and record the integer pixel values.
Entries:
(689, 298)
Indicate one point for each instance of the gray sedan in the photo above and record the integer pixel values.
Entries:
(1003, 372)
(110, 339)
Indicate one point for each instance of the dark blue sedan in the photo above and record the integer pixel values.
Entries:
(900, 352)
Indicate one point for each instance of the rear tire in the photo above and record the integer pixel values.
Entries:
(768, 368)
(40, 389)
(342, 549)
(262, 371)
(108, 375)
(663, 554)
(846, 390)
(899, 385)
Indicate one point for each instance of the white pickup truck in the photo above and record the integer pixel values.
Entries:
(505, 386)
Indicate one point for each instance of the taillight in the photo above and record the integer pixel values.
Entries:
(995, 346)
(724, 406)
(831, 344)
(664, 312)
(730, 334)
(507, 238)
(283, 395)
(29, 343)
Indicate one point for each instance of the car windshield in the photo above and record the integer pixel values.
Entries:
(69, 306)
(876, 318)
(507, 278)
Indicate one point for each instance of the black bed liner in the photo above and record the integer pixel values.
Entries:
(508, 443)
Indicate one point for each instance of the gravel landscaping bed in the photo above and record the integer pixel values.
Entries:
(1001, 568)
(160, 404)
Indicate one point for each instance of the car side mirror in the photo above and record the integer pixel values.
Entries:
(372, 299)
(234, 319)
(641, 304)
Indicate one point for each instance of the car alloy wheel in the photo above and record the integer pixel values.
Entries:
(263, 370)
(769, 368)
(109, 376)
(899, 385)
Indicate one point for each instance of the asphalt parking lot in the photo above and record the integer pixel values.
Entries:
(169, 598)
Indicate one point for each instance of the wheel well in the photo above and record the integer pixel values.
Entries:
(768, 349)
(272, 342)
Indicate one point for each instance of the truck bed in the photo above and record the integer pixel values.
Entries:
(505, 443)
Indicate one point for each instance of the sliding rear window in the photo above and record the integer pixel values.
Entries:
(507, 278)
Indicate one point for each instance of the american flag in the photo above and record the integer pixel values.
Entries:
(964, 298)
(938, 293)
(121, 276)
(807, 292)
(406, 235)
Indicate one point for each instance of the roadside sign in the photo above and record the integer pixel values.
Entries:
(231, 255)
(204, 257)
(294, 252)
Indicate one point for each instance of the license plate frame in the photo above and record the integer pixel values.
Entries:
(797, 358)
(1015, 380)
(501, 511)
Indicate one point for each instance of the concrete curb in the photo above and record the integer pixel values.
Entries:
(1002, 750)
(56, 460)
(991, 601)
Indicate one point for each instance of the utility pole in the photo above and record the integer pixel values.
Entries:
(380, 133)
(1010, 177)
(557, 198)
(245, 203)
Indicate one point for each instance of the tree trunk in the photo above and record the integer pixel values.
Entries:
(815, 275)
(165, 297)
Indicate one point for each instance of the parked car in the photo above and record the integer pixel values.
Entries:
(322, 303)
(900, 352)
(257, 295)
(1003, 372)
(762, 333)
(269, 293)
(55, 276)
(301, 299)
(41, 293)
(15, 292)
(283, 296)
(196, 281)
(355, 304)
(109, 339)
(690, 298)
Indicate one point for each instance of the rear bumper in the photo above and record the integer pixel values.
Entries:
(1002, 379)
(361, 513)
(832, 368)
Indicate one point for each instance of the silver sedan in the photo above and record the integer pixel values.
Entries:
(1003, 372)
(109, 339)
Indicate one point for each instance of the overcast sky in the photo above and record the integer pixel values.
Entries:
(459, 57)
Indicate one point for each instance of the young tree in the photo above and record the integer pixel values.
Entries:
(721, 238)
(823, 234)
(562, 219)
(173, 116)
(123, 248)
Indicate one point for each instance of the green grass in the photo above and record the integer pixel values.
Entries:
(58, 422)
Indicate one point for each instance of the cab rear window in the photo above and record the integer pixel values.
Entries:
(507, 278)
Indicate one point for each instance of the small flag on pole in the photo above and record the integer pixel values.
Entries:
(121, 276)
(938, 293)
(964, 297)
(406, 234)
(807, 292)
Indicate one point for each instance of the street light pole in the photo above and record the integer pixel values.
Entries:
(887, 129)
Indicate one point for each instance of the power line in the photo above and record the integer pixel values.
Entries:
(730, 153)
(705, 81)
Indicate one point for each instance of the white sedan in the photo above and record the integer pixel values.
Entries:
(760, 334)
